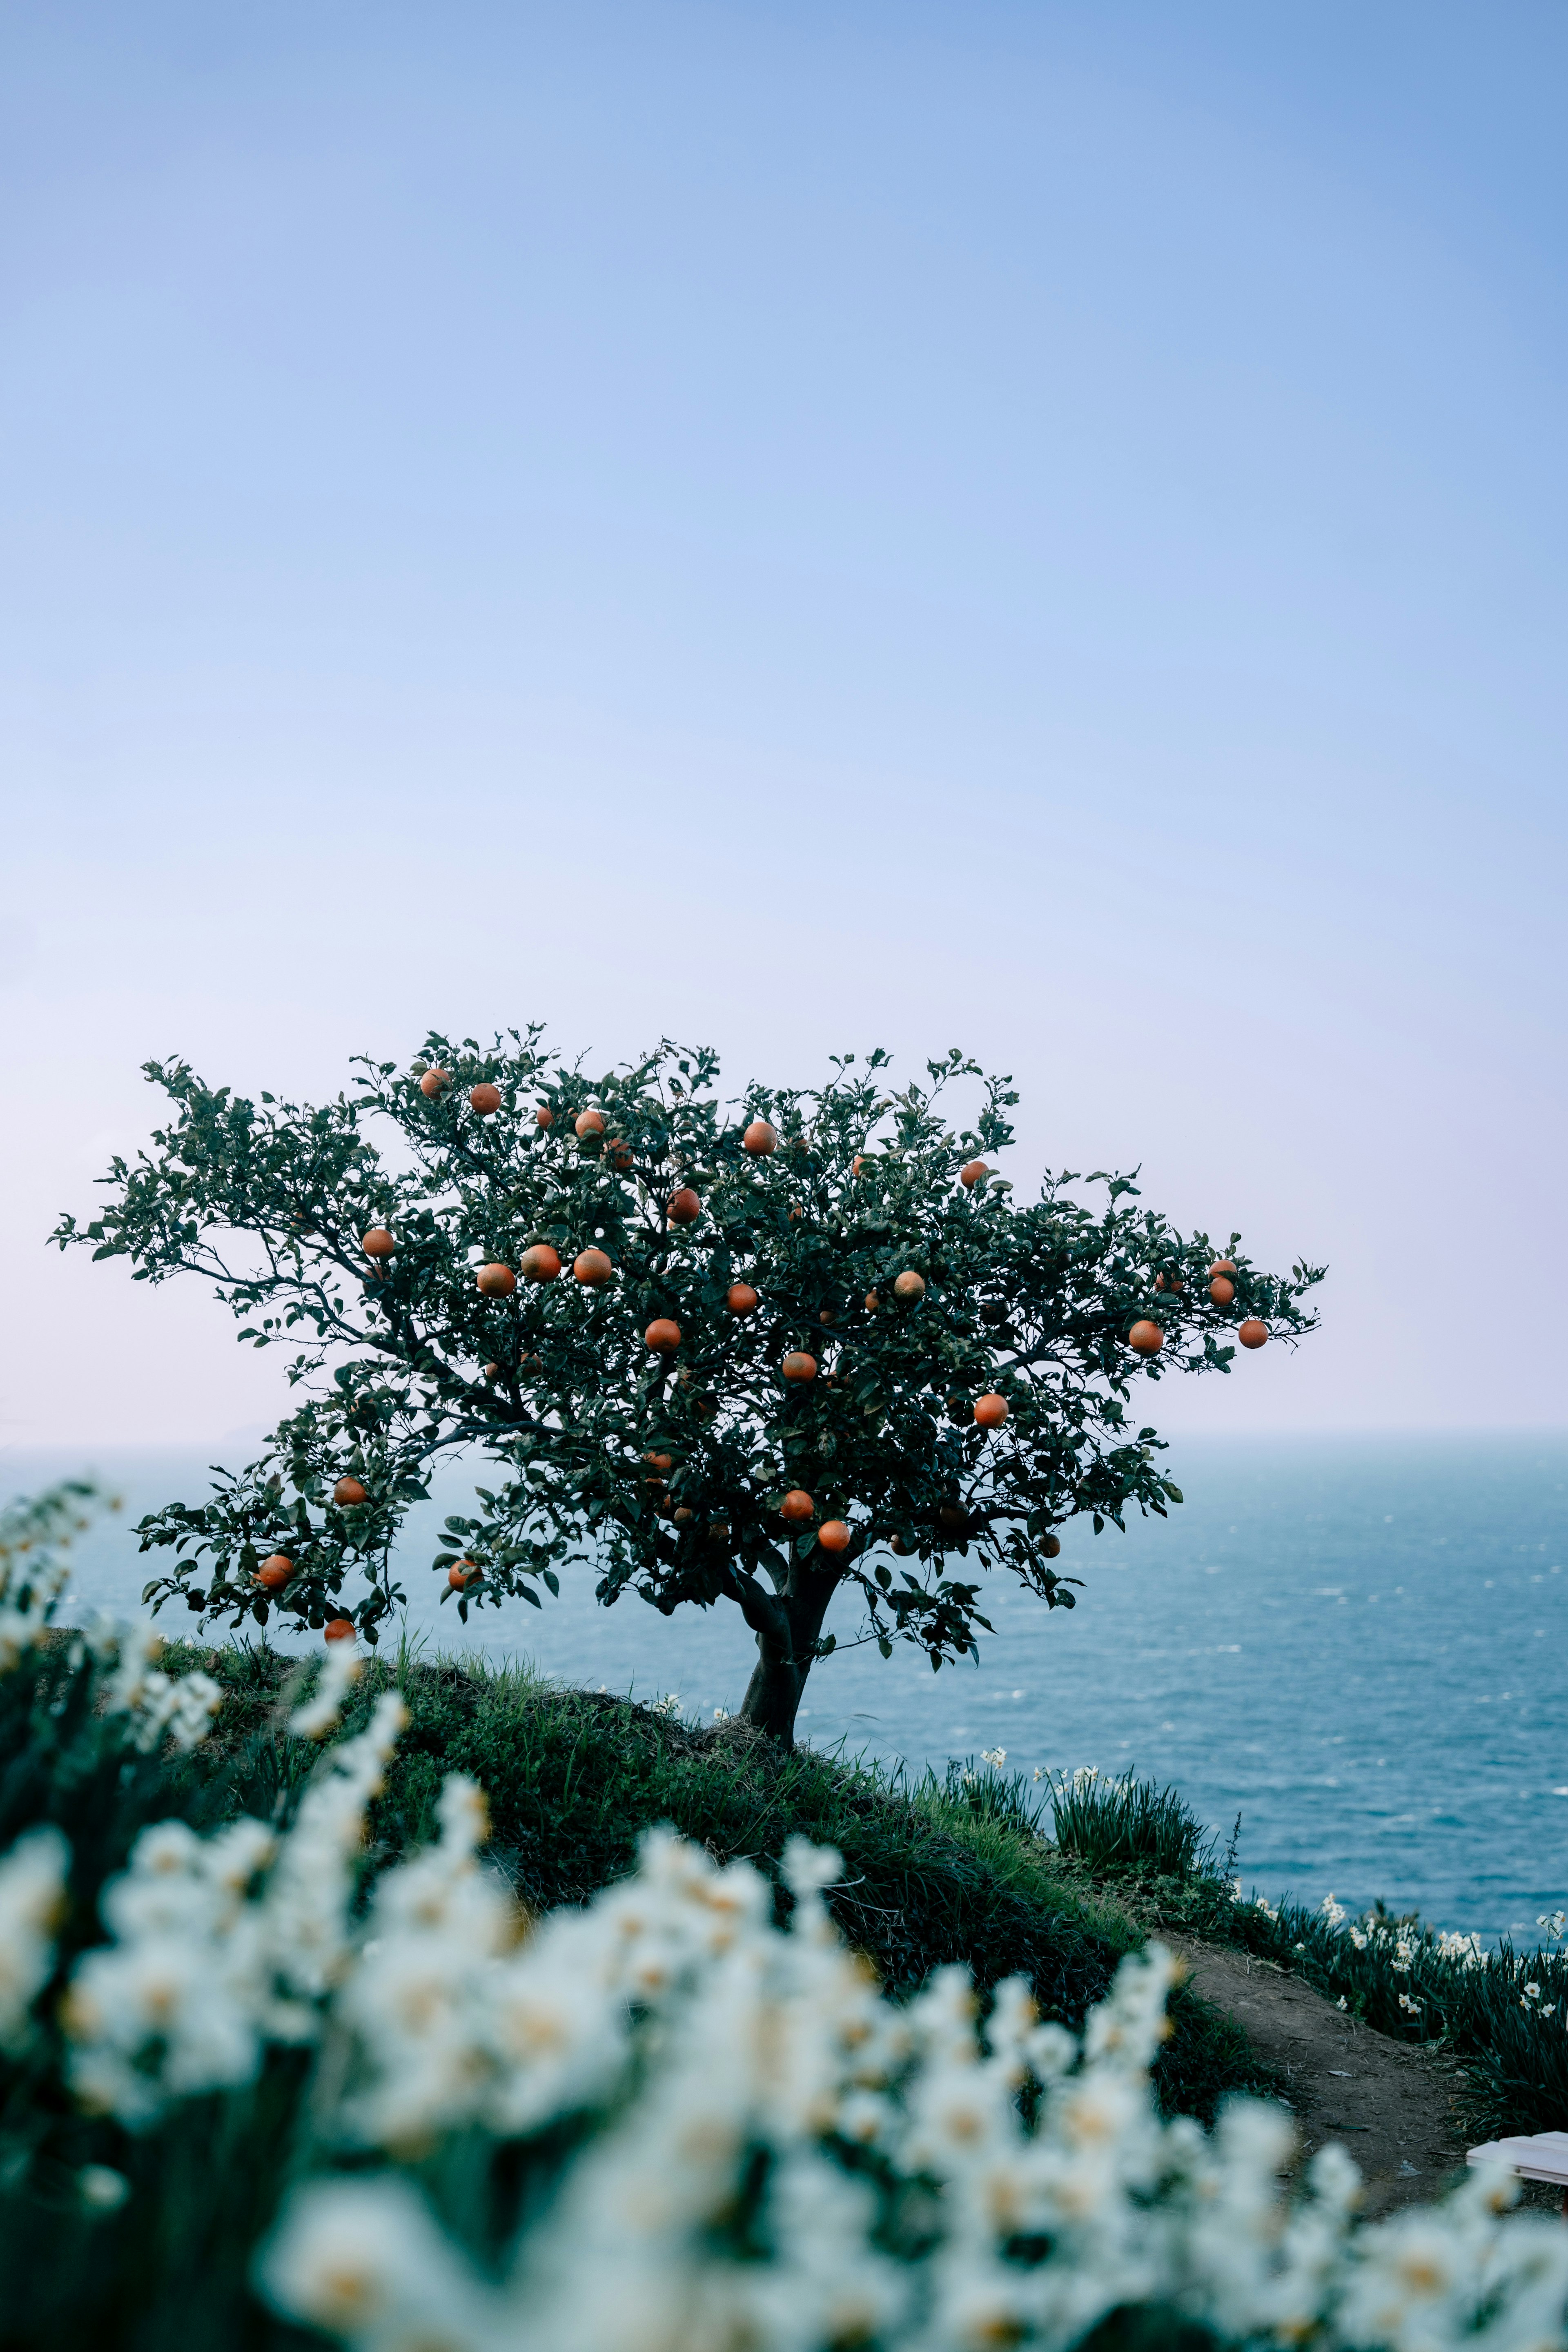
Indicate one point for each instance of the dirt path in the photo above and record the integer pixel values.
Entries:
(1395, 2110)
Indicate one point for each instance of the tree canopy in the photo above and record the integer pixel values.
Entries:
(748, 1353)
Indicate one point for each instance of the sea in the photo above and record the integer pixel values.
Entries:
(1348, 1653)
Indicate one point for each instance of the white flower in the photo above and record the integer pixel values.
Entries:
(995, 1757)
(32, 1898)
(102, 2188)
(323, 1711)
(363, 2259)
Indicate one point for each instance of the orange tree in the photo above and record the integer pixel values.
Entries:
(750, 1356)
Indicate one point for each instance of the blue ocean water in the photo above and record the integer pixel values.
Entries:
(1358, 1645)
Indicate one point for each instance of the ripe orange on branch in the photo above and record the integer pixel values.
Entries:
(274, 1573)
(834, 1534)
(909, 1285)
(540, 1263)
(683, 1207)
(618, 1154)
(461, 1573)
(544, 1116)
(347, 1493)
(338, 1629)
(1222, 1290)
(760, 1139)
(591, 1266)
(485, 1097)
(740, 1298)
(1253, 1332)
(1222, 1266)
(663, 1335)
(798, 1365)
(1051, 1546)
(797, 1507)
(970, 1174)
(991, 1410)
(589, 1122)
(496, 1281)
(378, 1243)
(432, 1083)
(1145, 1338)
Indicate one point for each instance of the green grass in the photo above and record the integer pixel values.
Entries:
(1054, 1881)
(1407, 1979)
(573, 1777)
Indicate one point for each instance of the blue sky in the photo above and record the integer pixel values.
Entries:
(1033, 526)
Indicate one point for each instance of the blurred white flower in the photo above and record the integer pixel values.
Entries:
(32, 1897)
(322, 1711)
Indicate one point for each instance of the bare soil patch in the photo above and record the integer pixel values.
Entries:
(1399, 2112)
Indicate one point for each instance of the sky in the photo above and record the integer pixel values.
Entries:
(802, 528)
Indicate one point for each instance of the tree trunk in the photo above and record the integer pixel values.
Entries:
(786, 1627)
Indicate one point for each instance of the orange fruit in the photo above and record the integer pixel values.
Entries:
(485, 1097)
(684, 1516)
(339, 1629)
(492, 1372)
(970, 1174)
(1222, 1266)
(1221, 1290)
(857, 1163)
(660, 1461)
(461, 1573)
(909, 1285)
(1171, 1282)
(872, 1302)
(798, 1365)
(590, 1122)
(347, 1493)
(952, 1519)
(430, 1085)
(1051, 1546)
(898, 1547)
(544, 1116)
(1253, 1332)
(496, 1281)
(760, 1139)
(274, 1573)
(1145, 1338)
(740, 1298)
(618, 1154)
(663, 1335)
(683, 1208)
(591, 1266)
(833, 1535)
(797, 1507)
(378, 1243)
(991, 1410)
(540, 1263)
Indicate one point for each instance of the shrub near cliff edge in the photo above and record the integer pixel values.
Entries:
(886, 1287)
